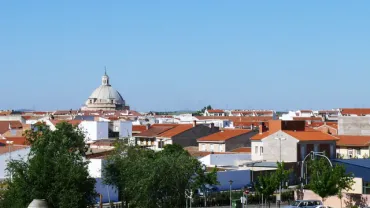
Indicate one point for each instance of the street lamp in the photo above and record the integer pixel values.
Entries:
(280, 138)
(10, 143)
(230, 182)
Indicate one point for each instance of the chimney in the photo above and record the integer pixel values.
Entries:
(260, 127)
(147, 126)
(194, 123)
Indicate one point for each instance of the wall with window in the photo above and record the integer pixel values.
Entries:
(211, 147)
(353, 152)
(256, 150)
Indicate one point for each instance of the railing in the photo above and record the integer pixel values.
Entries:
(110, 205)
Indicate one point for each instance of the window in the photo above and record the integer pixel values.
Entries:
(220, 148)
(203, 147)
(358, 151)
(256, 149)
(212, 148)
(261, 150)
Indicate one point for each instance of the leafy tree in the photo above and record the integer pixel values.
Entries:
(268, 183)
(154, 179)
(55, 170)
(201, 112)
(328, 181)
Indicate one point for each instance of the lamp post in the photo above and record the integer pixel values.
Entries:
(230, 182)
(280, 138)
(10, 143)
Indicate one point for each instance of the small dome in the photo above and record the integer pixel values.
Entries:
(107, 93)
(105, 97)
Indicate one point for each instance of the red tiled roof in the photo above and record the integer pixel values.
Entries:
(307, 118)
(311, 136)
(329, 124)
(216, 111)
(306, 111)
(307, 135)
(261, 136)
(176, 130)
(355, 141)
(139, 128)
(4, 125)
(73, 122)
(223, 135)
(155, 130)
(356, 111)
(16, 140)
(242, 149)
(235, 118)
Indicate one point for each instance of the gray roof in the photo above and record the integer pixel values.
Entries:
(107, 92)
(357, 162)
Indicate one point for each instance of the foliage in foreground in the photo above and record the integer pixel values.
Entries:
(54, 170)
(155, 179)
(268, 183)
(328, 181)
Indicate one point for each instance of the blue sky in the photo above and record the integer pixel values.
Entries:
(168, 55)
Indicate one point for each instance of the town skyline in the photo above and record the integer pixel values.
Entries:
(185, 55)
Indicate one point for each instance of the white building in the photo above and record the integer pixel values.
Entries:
(225, 159)
(105, 97)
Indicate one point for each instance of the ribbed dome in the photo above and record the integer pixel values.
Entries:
(107, 93)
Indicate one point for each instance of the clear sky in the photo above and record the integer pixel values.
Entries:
(170, 55)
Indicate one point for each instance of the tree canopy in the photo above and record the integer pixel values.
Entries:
(154, 179)
(55, 170)
(328, 181)
(268, 183)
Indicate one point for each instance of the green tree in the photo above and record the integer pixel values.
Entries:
(55, 170)
(328, 181)
(201, 112)
(268, 183)
(146, 178)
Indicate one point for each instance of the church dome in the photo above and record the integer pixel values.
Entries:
(105, 97)
(107, 93)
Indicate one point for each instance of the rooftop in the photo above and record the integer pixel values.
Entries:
(355, 141)
(155, 130)
(355, 111)
(224, 135)
(242, 149)
(357, 162)
(176, 130)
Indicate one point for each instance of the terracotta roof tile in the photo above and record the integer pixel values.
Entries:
(73, 122)
(307, 135)
(155, 130)
(138, 128)
(261, 136)
(4, 125)
(223, 135)
(357, 141)
(307, 118)
(311, 136)
(176, 130)
(235, 118)
(356, 111)
(216, 111)
(242, 149)
(16, 140)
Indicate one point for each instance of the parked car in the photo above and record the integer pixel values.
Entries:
(305, 204)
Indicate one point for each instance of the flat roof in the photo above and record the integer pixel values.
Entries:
(357, 162)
